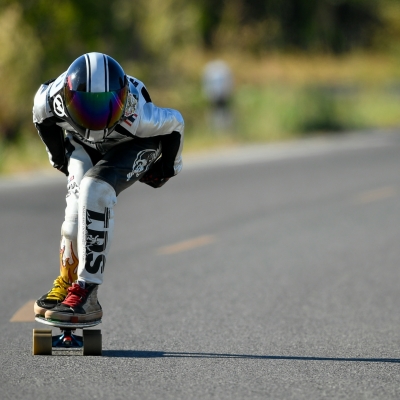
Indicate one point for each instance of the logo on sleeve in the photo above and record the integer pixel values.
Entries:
(58, 106)
(131, 105)
(142, 162)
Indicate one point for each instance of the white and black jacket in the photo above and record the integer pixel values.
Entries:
(147, 120)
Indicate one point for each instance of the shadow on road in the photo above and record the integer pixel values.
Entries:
(167, 354)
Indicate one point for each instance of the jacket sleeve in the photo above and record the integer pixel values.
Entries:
(53, 137)
(169, 125)
(171, 153)
(51, 134)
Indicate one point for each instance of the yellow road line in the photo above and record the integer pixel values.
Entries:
(375, 195)
(25, 313)
(187, 244)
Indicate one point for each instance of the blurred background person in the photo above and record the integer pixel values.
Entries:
(218, 89)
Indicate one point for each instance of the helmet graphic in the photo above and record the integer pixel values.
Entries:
(95, 94)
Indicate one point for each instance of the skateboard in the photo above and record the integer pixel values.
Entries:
(44, 341)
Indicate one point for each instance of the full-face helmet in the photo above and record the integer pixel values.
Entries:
(95, 93)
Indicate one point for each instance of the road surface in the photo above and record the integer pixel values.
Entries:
(269, 272)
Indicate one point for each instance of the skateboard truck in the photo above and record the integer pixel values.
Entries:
(90, 341)
(68, 340)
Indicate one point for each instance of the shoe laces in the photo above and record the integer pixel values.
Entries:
(59, 290)
(75, 295)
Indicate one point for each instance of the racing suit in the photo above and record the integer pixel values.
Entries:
(145, 145)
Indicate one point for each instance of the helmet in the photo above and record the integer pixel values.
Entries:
(95, 93)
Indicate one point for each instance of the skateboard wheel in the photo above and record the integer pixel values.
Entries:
(92, 342)
(42, 342)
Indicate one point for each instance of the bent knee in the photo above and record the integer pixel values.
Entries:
(97, 192)
(69, 229)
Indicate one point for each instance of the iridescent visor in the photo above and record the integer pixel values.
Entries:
(96, 111)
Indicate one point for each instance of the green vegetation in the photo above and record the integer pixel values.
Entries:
(300, 66)
(279, 97)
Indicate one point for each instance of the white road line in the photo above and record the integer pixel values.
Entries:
(376, 195)
(187, 245)
(25, 313)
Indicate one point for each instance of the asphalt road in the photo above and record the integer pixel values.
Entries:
(271, 272)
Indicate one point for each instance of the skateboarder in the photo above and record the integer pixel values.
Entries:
(101, 130)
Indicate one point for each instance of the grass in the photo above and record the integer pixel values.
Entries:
(279, 97)
(283, 112)
(25, 154)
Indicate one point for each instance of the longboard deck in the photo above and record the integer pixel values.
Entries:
(67, 325)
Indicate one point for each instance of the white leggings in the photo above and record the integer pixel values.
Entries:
(88, 227)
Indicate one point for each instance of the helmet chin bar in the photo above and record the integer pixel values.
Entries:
(96, 136)
(89, 135)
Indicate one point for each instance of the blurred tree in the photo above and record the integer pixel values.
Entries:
(68, 29)
(159, 26)
(40, 38)
(320, 25)
(20, 54)
(388, 36)
(329, 25)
